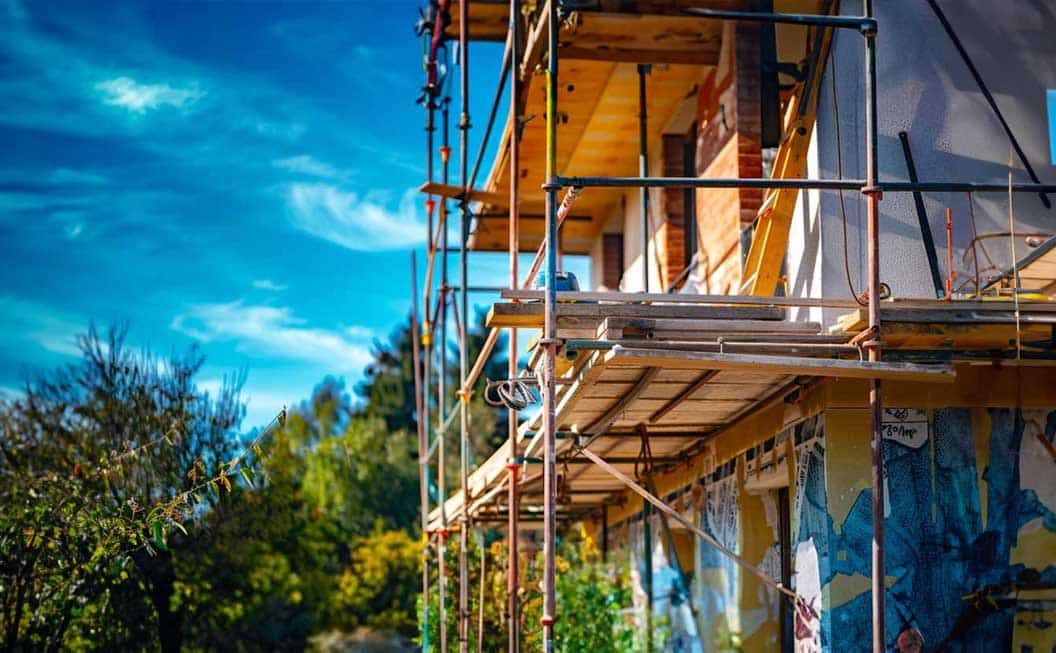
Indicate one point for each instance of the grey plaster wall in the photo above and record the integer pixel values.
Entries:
(926, 90)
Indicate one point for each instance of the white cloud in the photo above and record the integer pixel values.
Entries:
(268, 284)
(360, 333)
(82, 177)
(311, 167)
(138, 98)
(358, 223)
(74, 230)
(48, 328)
(11, 393)
(274, 332)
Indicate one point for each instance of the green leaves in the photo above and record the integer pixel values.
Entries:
(157, 532)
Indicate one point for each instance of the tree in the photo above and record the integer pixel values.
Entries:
(388, 389)
(99, 461)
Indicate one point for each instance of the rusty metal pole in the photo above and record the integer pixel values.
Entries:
(549, 341)
(463, 440)
(421, 421)
(643, 170)
(512, 565)
(441, 389)
(873, 195)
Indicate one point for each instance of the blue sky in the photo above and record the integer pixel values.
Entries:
(237, 174)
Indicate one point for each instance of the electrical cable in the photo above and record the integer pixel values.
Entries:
(839, 175)
(512, 393)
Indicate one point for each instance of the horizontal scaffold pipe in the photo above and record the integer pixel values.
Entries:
(860, 23)
(962, 187)
(801, 184)
(706, 182)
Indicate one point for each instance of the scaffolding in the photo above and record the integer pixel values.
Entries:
(750, 339)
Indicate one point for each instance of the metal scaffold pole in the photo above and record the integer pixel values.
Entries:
(873, 195)
(441, 394)
(512, 565)
(463, 126)
(549, 341)
(421, 422)
(643, 171)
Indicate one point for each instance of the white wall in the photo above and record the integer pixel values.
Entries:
(926, 90)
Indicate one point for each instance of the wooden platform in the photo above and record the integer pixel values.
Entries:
(683, 372)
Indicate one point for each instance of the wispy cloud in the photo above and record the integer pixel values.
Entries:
(268, 284)
(139, 98)
(10, 392)
(76, 177)
(273, 332)
(357, 223)
(311, 167)
(49, 328)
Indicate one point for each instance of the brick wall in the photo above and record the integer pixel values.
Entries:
(728, 145)
(670, 238)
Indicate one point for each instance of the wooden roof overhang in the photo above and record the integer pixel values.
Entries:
(489, 19)
(598, 108)
(599, 45)
(686, 372)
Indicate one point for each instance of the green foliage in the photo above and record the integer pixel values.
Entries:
(593, 597)
(97, 462)
(136, 518)
(378, 588)
(494, 574)
(326, 544)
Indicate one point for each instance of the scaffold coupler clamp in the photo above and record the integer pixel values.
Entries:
(869, 27)
(873, 191)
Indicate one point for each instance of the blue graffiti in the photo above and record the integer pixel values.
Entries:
(937, 547)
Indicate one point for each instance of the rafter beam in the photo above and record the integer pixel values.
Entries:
(605, 421)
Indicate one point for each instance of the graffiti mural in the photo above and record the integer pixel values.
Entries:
(966, 533)
(970, 535)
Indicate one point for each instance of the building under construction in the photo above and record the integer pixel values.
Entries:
(809, 389)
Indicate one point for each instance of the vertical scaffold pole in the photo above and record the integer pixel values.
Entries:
(643, 171)
(423, 341)
(550, 340)
(421, 421)
(873, 345)
(647, 577)
(512, 564)
(441, 386)
(463, 158)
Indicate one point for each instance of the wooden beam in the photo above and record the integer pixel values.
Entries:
(782, 365)
(766, 254)
(672, 298)
(605, 421)
(455, 192)
(632, 55)
(953, 314)
(764, 300)
(585, 315)
(682, 396)
(536, 44)
(615, 328)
